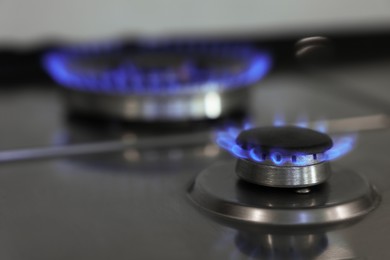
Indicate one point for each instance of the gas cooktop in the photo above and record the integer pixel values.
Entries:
(302, 175)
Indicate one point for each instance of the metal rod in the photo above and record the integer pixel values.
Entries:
(49, 152)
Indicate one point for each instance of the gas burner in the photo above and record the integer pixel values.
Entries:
(162, 82)
(283, 177)
(286, 156)
(283, 156)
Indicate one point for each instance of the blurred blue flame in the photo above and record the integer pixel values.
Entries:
(279, 120)
(128, 78)
(302, 121)
(321, 126)
(247, 125)
(226, 139)
(239, 152)
(233, 131)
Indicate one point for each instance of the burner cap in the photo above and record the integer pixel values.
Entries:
(289, 139)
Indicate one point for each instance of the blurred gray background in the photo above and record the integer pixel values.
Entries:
(74, 20)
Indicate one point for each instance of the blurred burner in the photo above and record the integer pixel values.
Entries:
(164, 82)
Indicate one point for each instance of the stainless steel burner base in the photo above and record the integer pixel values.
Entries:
(178, 107)
(283, 176)
(346, 195)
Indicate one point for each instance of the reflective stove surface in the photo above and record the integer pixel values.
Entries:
(121, 205)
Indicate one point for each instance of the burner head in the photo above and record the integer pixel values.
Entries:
(289, 156)
(285, 145)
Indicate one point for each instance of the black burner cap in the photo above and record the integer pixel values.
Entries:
(287, 138)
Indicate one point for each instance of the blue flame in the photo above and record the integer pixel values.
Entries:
(254, 155)
(233, 131)
(301, 159)
(302, 121)
(226, 139)
(277, 158)
(247, 125)
(321, 126)
(129, 79)
(239, 152)
(279, 120)
(341, 146)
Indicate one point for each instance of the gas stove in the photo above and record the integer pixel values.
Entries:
(299, 173)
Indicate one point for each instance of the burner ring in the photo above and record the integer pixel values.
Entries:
(283, 176)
